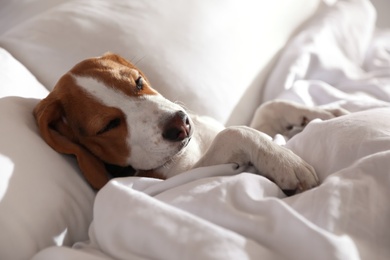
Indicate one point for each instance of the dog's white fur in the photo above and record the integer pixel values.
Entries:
(208, 142)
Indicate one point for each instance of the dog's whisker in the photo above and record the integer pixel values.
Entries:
(139, 60)
(132, 58)
(183, 106)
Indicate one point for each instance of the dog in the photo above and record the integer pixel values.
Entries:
(105, 112)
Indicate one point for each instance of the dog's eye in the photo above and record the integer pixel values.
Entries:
(111, 125)
(139, 82)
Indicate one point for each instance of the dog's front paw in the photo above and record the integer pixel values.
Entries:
(296, 123)
(292, 174)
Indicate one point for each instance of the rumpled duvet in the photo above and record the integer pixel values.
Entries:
(338, 59)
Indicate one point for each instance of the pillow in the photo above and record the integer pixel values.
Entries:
(332, 145)
(44, 200)
(208, 55)
(16, 80)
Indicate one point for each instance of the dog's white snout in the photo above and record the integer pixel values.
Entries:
(177, 128)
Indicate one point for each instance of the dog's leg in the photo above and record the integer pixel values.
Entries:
(288, 118)
(244, 146)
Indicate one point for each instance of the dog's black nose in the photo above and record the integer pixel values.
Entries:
(177, 128)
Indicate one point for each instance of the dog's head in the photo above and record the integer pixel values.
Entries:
(104, 111)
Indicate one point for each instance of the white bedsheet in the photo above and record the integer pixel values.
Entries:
(221, 212)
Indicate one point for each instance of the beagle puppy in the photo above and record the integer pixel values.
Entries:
(105, 112)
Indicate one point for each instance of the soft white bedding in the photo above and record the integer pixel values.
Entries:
(337, 59)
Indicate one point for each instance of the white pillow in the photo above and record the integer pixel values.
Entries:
(16, 80)
(44, 200)
(332, 145)
(206, 54)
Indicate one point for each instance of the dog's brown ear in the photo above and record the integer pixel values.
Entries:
(53, 126)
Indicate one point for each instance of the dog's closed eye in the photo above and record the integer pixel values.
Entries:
(114, 123)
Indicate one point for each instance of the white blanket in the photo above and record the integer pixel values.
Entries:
(223, 213)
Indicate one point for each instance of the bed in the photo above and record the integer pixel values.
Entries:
(222, 59)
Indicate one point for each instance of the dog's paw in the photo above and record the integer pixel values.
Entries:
(289, 118)
(296, 123)
(292, 174)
